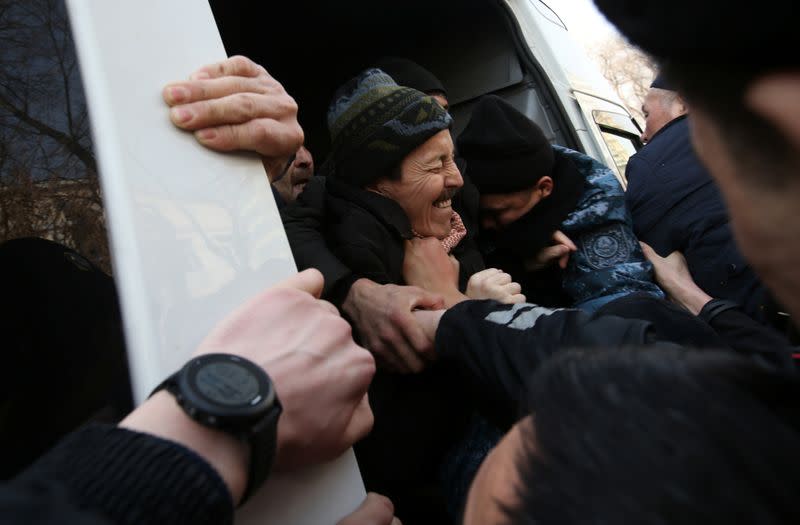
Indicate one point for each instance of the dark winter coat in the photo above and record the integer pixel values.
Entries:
(676, 205)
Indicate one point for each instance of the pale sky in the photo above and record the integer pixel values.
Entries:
(586, 25)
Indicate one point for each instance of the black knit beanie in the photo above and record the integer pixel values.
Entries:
(505, 151)
(661, 82)
(410, 74)
(374, 124)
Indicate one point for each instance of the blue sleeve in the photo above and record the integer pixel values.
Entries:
(609, 260)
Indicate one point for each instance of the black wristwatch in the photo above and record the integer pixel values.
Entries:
(232, 394)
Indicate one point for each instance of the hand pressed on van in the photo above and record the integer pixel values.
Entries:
(320, 374)
(236, 105)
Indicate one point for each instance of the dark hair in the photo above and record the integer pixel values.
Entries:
(756, 145)
(659, 436)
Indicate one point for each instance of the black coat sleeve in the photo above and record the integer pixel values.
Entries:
(303, 221)
(498, 347)
(747, 336)
(102, 475)
(639, 173)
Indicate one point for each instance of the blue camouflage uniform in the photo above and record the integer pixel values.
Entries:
(609, 262)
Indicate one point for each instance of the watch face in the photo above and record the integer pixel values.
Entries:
(227, 383)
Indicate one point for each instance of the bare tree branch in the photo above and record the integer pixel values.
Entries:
(49, 186)
(68, 141)
(629, 71)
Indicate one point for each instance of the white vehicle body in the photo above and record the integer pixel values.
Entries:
(517, 49)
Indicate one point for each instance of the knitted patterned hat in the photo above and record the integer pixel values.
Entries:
(374, 124)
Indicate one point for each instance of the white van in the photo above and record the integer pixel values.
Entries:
(517, 49)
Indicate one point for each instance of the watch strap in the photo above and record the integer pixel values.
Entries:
(263, 444)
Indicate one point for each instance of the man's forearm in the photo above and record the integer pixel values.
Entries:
(691, 297)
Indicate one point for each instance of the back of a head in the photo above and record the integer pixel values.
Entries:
(657, 436)
(711, 53)
(410, 74)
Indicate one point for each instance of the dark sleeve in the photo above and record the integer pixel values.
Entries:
(102, 474)
(638, 200)
(634, 171)
(367, 257)
(497, 347)
(745, 335)
(303, 221)
(546, 287)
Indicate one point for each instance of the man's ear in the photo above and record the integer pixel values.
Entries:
(776, 98)
(680, 106)
(545, 186)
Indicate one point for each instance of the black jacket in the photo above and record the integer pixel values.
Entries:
(676, 205)
(367, 232)
(497, 348)
(417, 416)
(332, 241)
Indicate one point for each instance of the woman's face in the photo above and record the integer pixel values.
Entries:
(428, 180)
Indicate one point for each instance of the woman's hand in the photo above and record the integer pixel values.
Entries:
(494, 284)
(427, 265)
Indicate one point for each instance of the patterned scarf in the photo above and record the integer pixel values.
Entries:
(457, 232)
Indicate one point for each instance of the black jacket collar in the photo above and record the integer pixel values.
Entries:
(389, 212)
(667, 126)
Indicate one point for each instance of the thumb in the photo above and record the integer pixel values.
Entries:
(561, 238)
(427, 300)
(310, 281)
(557, 252)
(648, 251)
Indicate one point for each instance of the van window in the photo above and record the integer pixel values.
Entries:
(621, 147)
(621, 135)
(49, 184)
